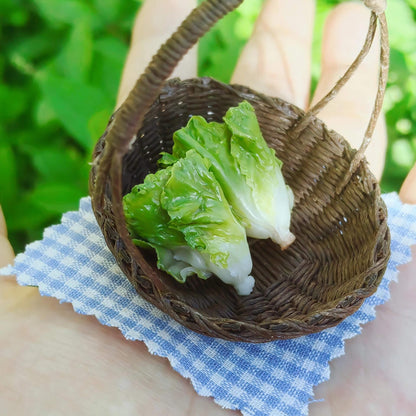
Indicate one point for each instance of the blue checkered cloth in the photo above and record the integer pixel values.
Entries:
(73, 264)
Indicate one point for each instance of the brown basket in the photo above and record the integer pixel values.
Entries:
(339, 219)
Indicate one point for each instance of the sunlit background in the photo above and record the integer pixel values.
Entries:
(60, 64)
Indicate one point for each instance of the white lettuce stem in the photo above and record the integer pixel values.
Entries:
(236, 273)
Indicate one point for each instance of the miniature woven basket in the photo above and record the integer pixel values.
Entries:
(339, 219)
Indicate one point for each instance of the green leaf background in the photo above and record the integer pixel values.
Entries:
(60, 65)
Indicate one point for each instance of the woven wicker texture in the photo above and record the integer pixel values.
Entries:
(342, 240)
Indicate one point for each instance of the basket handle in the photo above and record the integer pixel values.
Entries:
(129, 117)
(377, 8)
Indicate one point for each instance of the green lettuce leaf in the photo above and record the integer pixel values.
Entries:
(144, 215)
(182, 213)
(246, 168)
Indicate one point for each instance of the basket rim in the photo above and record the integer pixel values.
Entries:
(262, 330)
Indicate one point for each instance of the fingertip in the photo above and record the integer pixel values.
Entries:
(349, 112)
(344, 33)
(276, 60)
(408, 190)
(155, 22)
(6, 250)
(3, 227)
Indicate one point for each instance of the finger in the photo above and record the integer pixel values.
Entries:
(350, 110)
(6, 250)
(408, 190)
(155, 22)
(277, 59)
(10, 291)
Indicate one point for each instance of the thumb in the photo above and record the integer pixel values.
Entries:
(408, 190)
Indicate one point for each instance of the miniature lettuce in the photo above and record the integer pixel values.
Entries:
(182, 213)
(246, 168)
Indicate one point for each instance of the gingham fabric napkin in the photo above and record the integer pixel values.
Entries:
(72, 263)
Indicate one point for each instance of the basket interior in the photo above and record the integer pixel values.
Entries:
(338, 248)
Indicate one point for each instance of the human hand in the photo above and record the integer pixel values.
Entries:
(376, 374)
(54, 361)
(59, 362)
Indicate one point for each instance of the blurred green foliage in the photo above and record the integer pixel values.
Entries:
(60, 65)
